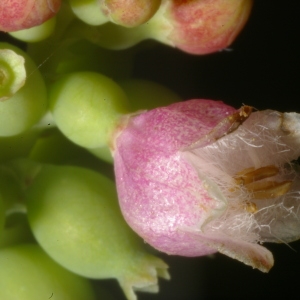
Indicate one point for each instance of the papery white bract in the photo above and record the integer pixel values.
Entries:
(198, 177)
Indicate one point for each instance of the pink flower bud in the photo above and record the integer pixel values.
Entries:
(130, 13)
(21, 14)
(198, 177)
(203, 26)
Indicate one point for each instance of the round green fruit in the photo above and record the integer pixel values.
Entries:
(27, 273)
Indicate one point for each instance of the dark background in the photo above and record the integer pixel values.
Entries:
(259, 70)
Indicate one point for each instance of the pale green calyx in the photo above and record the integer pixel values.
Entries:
(12, 73)
(89, 11)
(36, 33)
(27, 100)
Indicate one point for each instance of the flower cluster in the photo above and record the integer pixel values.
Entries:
(190, 178)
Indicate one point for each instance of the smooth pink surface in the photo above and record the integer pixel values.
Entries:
(21, 14)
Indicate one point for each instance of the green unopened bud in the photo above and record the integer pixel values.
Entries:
(27, 273)
(86, 107)
(23, 105)
(75, 217)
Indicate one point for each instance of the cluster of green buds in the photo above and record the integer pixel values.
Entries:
(95, 178)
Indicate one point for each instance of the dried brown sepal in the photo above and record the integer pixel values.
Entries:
(226, 126)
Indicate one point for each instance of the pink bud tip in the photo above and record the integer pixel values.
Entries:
(130, 13)
(21, 14)
(199, 176)
(205, 26)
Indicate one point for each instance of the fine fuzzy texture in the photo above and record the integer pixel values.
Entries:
(23, 14)
(198, 177)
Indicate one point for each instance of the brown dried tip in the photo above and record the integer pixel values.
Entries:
(226, 126)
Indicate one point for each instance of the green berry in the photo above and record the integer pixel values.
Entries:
(86, 107)
(74, 215)
(27, 273)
